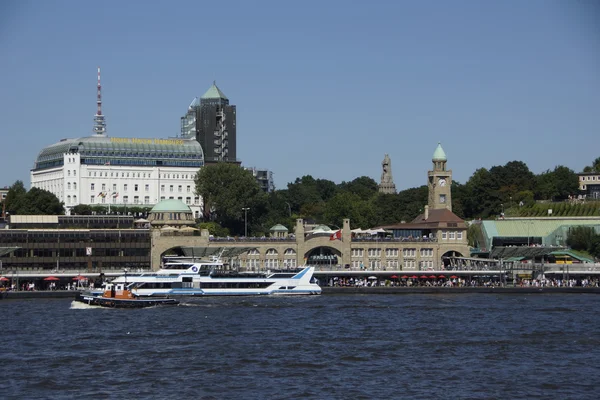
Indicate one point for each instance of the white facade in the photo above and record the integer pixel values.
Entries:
(144, 186)
(76, 182)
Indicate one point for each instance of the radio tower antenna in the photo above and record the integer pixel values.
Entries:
(99, 122)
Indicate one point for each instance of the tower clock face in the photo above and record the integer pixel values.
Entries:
(442, 182)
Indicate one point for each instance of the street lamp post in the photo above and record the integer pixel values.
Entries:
(245, 220)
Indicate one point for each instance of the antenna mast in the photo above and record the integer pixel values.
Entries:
(99, 122)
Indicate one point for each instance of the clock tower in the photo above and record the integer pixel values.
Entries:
(439, 181)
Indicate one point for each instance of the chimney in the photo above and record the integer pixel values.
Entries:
(426, 213)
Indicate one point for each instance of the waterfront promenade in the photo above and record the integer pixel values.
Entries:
(383, 290)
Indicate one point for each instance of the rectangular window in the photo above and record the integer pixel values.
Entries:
(374, 252)
(92, 186)
(196, 200)
(180, 188)
(125, 187)
(426, 252)
(409, 252)
(135, 188)
(458, 235)
(147, 200)
(171, 188)
(444, 235)
(92, 199)
(188, 200)
(136, 199)
(103, 186)
(114, 187)
(147, 187)
(125, 199)
(162, 188)
(162, 197)
(357, 252)
(189, 189)
(391, 253)
(452, 235)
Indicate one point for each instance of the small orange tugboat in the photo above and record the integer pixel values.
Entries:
(118, 296)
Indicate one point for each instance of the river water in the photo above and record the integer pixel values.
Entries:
(456, 346)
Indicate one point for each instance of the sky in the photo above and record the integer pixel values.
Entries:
(322, 88)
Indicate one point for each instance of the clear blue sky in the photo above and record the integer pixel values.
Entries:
(322, 88)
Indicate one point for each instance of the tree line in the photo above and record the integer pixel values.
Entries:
(227, 190)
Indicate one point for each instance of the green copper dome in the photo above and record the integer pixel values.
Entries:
(171, 205)
(278, 228)
(439, 154)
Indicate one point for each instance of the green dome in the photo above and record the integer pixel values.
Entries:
(439, 154)
(278, 228)
(171, 205)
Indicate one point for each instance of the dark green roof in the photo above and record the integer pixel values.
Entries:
(109, 148)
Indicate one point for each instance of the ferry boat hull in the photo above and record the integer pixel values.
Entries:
(204, 279)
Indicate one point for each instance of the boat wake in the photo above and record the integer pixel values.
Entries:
(76, 305)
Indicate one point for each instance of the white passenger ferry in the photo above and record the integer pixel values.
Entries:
(209, 278)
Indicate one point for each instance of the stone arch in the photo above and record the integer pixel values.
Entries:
(323, 256)
(272, 258)
(290, 260)
(446, 257)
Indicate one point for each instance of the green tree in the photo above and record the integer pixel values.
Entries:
(37, 201)
(349, 205)
(557, 185)
(82, 209)
(584, 238)
(595, 167)
(15, 198)
(42, 202)
(214, 229)
(412, 203)
(483, 200)
(303, 191)
(226, 189)
(362, 186)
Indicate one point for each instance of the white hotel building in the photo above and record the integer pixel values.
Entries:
(102, 170)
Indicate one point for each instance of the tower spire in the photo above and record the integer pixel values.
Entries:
(99, 122)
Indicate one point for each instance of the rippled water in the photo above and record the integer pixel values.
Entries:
(468, 346)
